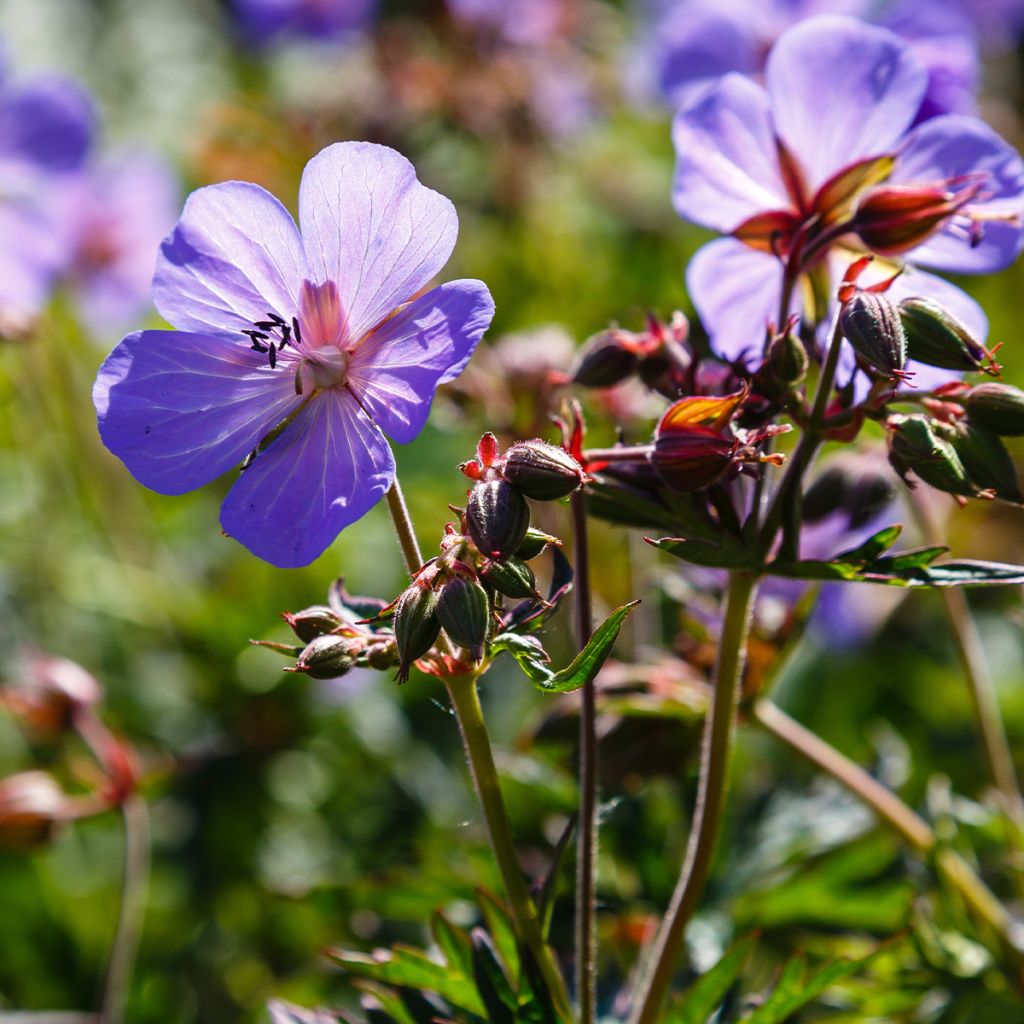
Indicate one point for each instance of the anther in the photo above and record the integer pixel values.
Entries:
(295, 329)
(273, 355)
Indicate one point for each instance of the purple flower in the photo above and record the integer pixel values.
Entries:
(46, 128)
(823, 165)
(525, 22)
(302, 349)
(263, 21)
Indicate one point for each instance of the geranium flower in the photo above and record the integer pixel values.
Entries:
(821, 166)
(263, 21)
(299, 349)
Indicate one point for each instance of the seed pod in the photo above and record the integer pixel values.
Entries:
(497, 518)
(464, 612)
(416, 626)
(312, 622)
(32, 805)
(542, 471)
(327, 657)
(1000, 407)
(603, 361)
(989, 465)
(935, 337)
(534, 543)
(914, 445)
(513, 578)
(691, 459)
(872, 325)
(788, 359)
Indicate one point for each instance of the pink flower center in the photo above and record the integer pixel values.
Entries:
(328, 366)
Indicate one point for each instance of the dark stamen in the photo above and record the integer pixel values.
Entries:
(267, 325)
(273, 355)
(280, 321)
(295, 329)
(257, 347)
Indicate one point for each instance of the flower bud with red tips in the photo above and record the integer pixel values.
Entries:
(1000, 407)
(327, 657)
(416, 626)
(464, 611)
(512, 578)
(605, 359)
(872, 325)
(312, 622)
(935, 337)
(542, 471)
(692, 458)
(497, 518)
(486, 454)
(32, 806)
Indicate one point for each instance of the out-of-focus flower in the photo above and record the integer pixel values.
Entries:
(696, 40)
(301, 350)
(32, 806)
(46, 128)
(263, 21)
(49, 691)
(523, 22)
(807, 178)
(115, 216)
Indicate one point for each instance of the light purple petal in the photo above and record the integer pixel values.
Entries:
(369, 226)
(48, 122)
(726, 159)
(397, 369)
(842, 91)
(179, 409)
(32, 253)
(737, 291)
(234, 256)
(946, 147)
(326, 470)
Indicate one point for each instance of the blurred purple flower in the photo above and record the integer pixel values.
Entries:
(46, 128)
(792, 171)
(695, 40)
(263, 21)
(299, 348)
(115, 217)
(523, 22)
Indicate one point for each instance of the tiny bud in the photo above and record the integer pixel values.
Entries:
(32, 805)
(693, 458)
(513, 578)
(1000, 407)
(914, 445)
(935, 337)
(464, 611)
(872, 325)
(603, 361)
(416, 626)
(534, 543)
(497, 518)
(542, 471)
(312, 622)
(787, 358)
(327, 657)
(989, 465)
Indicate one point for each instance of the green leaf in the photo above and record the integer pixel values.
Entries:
(491, 981)
(528, 652)
(705, 995)
(382, 1005)
(500, 928)
(729, 553)
(453, 943)
(543, 890)
(585, 666)
(910, 569)
(877, 544)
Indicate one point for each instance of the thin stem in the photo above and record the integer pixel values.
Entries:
(466, 701)
(134, 881)
(897, 815)
(707, 817)
(586, 865)
(403, 527)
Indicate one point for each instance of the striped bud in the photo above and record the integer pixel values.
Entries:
(327, 657)
(937, 338)
(692, 458)
(1000, 407)
(603, 361)
(312, 622)
(513, 578)
(416, 626)
(464, 611)
(872, 325)
(542, 471)
(914, 445)
(787, 358)
(497, 518)
(989, 465)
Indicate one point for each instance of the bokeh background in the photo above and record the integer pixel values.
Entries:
(290, 815)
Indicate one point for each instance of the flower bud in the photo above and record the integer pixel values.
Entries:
(989, 465)
(1000, 407)
(513, 578)
(542, 471)
(32, 805)
(312, 622)
(935, 337)
(603, 361)
(327, 657)
(50, 690)
(787, 358)
(534, 543)
(914, 445)
(872, 325)
(894, 218)
(416, 626)
(464, 611)
(497, 518)
(692, 458)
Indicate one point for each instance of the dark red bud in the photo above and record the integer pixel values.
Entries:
(327, 657)
(542, 471)
(416, 626)
(312, 622)
(513, 578)
(873, 327)
(497, 518)
(464, 611)
(693, 458)
(603, 361)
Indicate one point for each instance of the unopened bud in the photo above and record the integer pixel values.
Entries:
(872, 325)
(914, 445)
(989, 465)
(1000, 407)
(692, 458)
(534, 543)
(327, 657)
(416, 626)
(50, 690)
(603, 361)
(464, 611)
(542, 471)
(312, 622)
(32, 805)
(513, 578)
(787, 358)
(935, 337)
(894, 218)
(497, 518)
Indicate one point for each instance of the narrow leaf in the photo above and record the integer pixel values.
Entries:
(492, 983)
(877, 544)
(727, 554)
(705, 995)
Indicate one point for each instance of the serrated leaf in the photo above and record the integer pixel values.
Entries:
(705, 995)
(492, 983)
(728, 553)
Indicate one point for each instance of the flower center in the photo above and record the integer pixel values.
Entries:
(328, 366)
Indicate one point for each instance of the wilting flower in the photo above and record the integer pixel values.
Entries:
(46, 127)
(823, 165)
(263, 21)
(297, 349)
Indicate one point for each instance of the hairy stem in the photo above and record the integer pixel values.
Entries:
(586, 864)
(707, 817)
(403, 527)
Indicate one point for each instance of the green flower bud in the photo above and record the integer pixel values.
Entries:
(416, 626)
(1000, 407)
(327, 657)
(787, 358)
(603, 361)
(312, 622)
(534, 543)
(497, 518)
(872, 325)
(464, 612)
(988, 463)
(935, 337)
(542, 471)
(914, 445)
(513, 578)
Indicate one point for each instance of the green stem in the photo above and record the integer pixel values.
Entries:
(466, 701)
(586, 865)
(403, 527)
(707, 817)
(913, 829)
